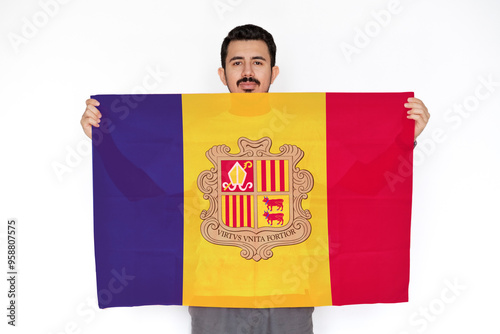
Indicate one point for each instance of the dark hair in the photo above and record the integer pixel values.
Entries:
(245, 33)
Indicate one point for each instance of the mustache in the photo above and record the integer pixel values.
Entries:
(247, 79)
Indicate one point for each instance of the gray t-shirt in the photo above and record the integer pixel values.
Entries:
(214, 320)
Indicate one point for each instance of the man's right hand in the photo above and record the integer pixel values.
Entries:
(91, 117)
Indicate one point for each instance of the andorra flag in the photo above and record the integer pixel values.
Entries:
(252, 200)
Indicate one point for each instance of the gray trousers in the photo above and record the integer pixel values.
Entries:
(212, 320)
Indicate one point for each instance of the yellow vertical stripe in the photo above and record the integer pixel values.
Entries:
(230, 210)
(247, 209)
(216, 119)
(268, 175)
(277, 174)
(238, 211)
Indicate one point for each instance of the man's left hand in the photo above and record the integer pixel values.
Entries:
(419, 113)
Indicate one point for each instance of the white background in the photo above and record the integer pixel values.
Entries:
(442, 50)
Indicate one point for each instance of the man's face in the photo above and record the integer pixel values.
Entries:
(248, 67)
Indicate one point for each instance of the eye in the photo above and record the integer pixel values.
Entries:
(257, 62)
(236, 63)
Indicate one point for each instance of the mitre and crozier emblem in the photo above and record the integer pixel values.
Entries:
(255, 198)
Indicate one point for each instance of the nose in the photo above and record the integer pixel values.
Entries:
(248, 70)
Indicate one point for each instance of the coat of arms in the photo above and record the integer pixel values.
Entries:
(255, 198)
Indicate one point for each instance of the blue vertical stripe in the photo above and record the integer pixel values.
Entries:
(138, 200)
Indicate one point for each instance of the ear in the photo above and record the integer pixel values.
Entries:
(274, 73)
(222, 75)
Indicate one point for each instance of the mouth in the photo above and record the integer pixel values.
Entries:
(248, 86)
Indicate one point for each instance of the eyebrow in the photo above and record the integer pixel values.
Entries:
(240, 57)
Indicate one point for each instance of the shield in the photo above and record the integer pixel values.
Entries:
(256, 205)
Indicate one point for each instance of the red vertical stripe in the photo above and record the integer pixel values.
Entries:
(368, 220)
(263, 174)
(273, 175)
(249, 211)
(282, 175)
(227, 210)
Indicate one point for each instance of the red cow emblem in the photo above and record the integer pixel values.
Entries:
(273, 202)
(272, 217)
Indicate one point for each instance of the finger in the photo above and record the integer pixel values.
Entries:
(413, 102)
(416, 117)
(420, 123)
(416, 111)
(93, 122)
(415, 105)
(424, 113)
(414, 99)
(420, 111)
(89, 121)
(93, 102)
(94, 111)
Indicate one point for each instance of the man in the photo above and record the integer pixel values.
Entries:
(248, 57)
